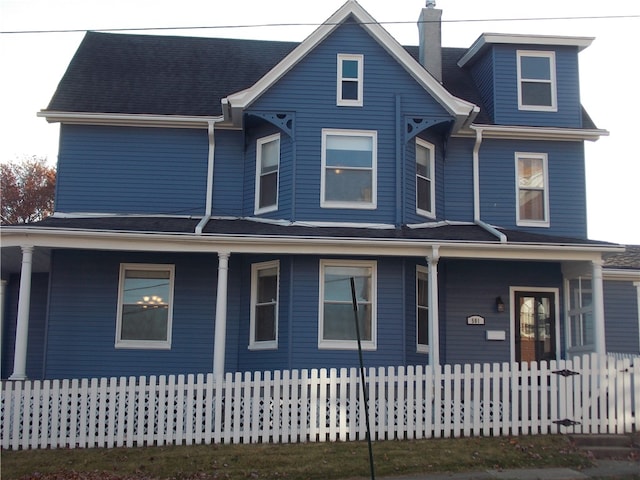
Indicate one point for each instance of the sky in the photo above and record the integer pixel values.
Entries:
(33, 63)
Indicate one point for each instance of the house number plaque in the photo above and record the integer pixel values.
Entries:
(475, 320)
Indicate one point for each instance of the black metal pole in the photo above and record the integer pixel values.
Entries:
(364, 388)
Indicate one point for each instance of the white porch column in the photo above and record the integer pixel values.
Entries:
(598, 307)
(221, 315)
(434, 329)
(22, 327)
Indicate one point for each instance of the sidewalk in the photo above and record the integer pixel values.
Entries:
(618, 469)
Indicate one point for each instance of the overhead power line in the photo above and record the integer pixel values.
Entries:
(271, 25)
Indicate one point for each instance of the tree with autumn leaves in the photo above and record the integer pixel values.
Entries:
(27, 190)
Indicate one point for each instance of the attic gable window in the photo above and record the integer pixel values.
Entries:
(350, 80)
(532, 189)
(537, 81)
(267, 166)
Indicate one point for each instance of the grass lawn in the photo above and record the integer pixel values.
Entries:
(325, 461)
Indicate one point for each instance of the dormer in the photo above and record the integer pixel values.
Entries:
(529, 80)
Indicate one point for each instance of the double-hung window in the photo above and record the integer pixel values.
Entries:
(145, 305)
(349, 81)
(337, 327)
(536, 80)
(422, 309)
(267, 166)
(580, 313)
(532, 189)
(425, 172)
(348, 178)
(264, 305)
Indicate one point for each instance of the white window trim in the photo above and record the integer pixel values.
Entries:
(145, 344)
(349, 344)
(255, 269)
(342, 102)
(421, 347)
(545, 167)
(372, 205)
(570, 347)
(259, 143)
(552, 80)
(432, 168)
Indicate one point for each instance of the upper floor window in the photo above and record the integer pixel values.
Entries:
(422, 308)
(145, 305)
(337, 327)
(264, 305)
(425, 172)
(536, 80)
(267, 165)
(532, 189)
(350, 80)
(348, 178)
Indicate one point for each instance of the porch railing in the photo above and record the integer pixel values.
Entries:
(588, 394)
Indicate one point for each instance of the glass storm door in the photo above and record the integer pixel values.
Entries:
(535, 326)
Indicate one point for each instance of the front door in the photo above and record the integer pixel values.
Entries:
(535, 326)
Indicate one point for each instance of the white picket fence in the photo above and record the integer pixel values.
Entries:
(586, 395)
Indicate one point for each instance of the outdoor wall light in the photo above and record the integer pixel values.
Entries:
(499, 304)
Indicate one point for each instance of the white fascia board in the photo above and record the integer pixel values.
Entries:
(506, 132)
(297, 245)
(620, 274)
(130, 120)
(522, 39)
(457, 107)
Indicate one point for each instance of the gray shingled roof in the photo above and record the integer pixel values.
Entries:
(630, 259)
(231, 226)
(172, 75)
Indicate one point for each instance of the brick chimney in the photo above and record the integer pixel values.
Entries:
(430, 48)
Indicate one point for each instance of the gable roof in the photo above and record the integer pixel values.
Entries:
(462, 110)
(199, 77)
(157, 78)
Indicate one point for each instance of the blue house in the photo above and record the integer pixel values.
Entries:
(216, 198)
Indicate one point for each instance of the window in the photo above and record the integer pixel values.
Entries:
(580, 313)
(337, 328)
(267, 164)
(532, 191)
(145, 304)
(349, 83)
(422, 309)
(536, 81)
(264, 305)
(425, 172)
(348, 177)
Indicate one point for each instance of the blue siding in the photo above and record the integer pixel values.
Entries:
(471, 289)
(567, 192)
(132, 170)
(228, 173)
(482, 72)
(37, 325)
(82, 317)
(506, 90)
(458, 180)
(621, 317)
(309, 89)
